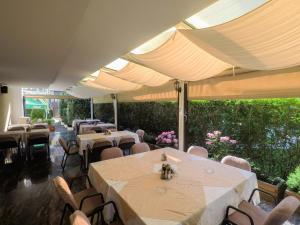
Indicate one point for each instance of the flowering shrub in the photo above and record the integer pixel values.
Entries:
(219, 145)
(167, 137)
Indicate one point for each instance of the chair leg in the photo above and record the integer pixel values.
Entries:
(65, 162)
(48, 151)
(63, 214)
(62, 161)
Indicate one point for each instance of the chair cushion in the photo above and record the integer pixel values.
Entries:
(258, 215)
(89, 204)
(78, 218)
(73, 149)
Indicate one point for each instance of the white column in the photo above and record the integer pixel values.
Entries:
(92, 108)
(182, 115)
(115, 104)
(10, 107)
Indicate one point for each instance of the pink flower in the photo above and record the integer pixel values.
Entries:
(217, 133)
(175, 141)
(169, 141)
(209, 143)
(233, 142)
(210, 135)
(224, 139)
(172, 132)
(169, 136)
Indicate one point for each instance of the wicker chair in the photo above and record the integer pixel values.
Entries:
(236, 162)
(70, 148)
(248, 214)
(139, 148)
(111, 153)
(126, 143)
(141, 134)
(86, 201)
(198, 151)
(37, 139)
(97, 148)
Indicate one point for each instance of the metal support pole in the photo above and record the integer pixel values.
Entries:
(24, 106)
(115, 104)
(182, 115)
(92, 108)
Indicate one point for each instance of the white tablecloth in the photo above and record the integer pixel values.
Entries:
(198, 194)
(85, 127)
(89, 139)
(76, 121)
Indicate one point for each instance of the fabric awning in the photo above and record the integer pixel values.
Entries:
(256, 84)
(109, 82)
(181, 59)
(264, 39)
(141, 75)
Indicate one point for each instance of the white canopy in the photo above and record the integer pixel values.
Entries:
(265, 39)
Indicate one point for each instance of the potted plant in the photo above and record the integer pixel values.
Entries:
(51, 126)
(219, 145)
(167, 139)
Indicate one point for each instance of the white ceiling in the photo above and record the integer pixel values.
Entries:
(59, 42)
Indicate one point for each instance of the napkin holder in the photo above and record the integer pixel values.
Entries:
(166, 172)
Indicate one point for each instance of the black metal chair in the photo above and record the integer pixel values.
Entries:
(37, 139)
(125, 144)
(96, 150)
(70, 148)
(86, 200)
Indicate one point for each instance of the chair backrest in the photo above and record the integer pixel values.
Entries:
(79, 218)
(63, 144)
(141, 134)
(140, 147)
(236, 162)
(110, 153)
(88, 132)
(198, 150)
(283, 211)
(38, 138)
(16, 128)
(64, 192)
(7, 142)
(38, 126)
(101, 144)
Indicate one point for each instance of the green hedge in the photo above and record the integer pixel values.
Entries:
(267, 131)
(104, 112)
(71, 109)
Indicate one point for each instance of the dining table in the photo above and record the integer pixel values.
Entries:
(85, 140)
(198, 194)
(85, 127)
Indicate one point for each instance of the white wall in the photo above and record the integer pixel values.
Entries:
(11, 107)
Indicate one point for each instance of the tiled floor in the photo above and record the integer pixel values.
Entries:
(27, 195)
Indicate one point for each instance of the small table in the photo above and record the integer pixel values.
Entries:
(89, 139)
(199, 192)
